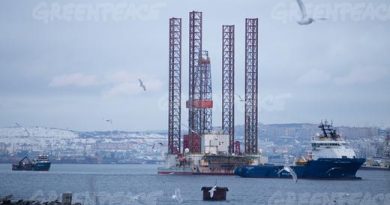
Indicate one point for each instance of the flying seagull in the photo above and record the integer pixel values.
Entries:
(289, 170)
(305, 20)
(212, 190)
(154, 144)
(241, 99)
(192, 131)
(28, 133)
(177, 196)
(141, 84)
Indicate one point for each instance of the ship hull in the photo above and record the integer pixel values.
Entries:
(208, 165)
(39, 166)
(24, 167)
(189, 171)
(323, 168)
(174, 170)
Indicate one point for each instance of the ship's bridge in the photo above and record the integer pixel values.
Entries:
(331, 149)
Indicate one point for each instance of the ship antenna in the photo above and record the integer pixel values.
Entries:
(322, 126)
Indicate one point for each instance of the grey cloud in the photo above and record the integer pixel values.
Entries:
(331, 64)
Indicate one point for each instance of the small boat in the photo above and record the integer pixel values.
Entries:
(42, 163)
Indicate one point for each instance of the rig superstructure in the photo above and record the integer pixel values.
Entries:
(203, 150)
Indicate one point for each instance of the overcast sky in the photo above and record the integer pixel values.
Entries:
(75, 64)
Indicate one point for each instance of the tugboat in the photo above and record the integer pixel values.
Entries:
(330, 158)
(42, 163)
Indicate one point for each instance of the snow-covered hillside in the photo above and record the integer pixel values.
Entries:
(60, 143)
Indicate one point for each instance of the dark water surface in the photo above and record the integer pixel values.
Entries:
(139, 184)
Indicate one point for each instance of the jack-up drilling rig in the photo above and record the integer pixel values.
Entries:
(204, 150)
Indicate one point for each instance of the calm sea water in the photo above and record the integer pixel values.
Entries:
(139, 184)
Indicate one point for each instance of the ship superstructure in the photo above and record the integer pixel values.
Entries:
(213, 159)
(329, 144)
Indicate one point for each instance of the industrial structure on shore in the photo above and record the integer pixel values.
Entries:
(203, 150)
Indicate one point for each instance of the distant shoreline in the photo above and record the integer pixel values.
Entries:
(156, 163)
